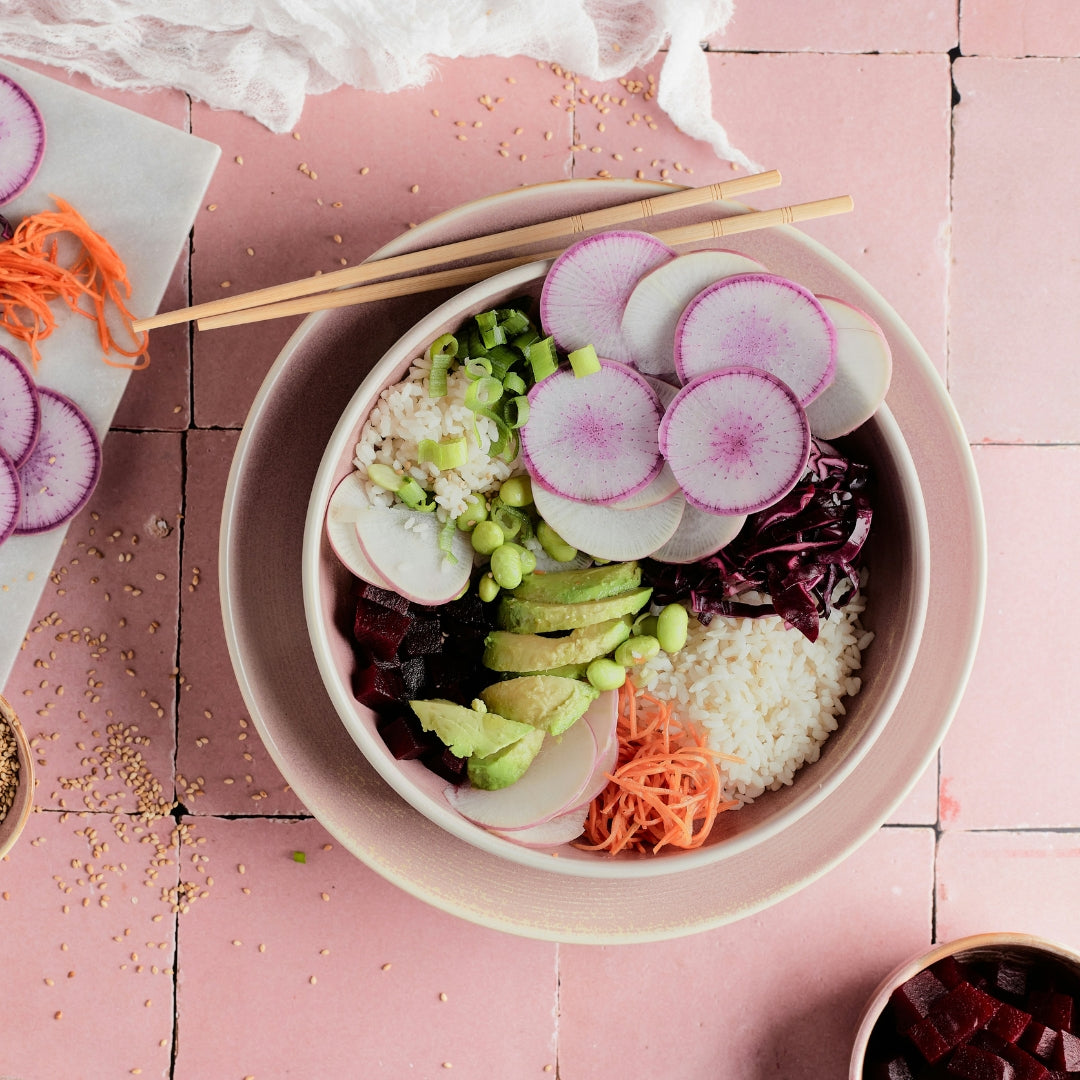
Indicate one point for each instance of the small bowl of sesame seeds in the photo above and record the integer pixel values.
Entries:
(16, 778)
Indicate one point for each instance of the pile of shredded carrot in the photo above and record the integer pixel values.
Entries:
(666, 788)
(31, 276)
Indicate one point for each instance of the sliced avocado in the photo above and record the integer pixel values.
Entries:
(544, 701)
(564, 671)
(505, 766)
(468, 731)
(574, 586)
(507, 651)
(540, 617)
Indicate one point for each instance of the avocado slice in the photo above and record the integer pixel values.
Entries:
(544, 701)
(539, 617)
(468, 731)
(507, 651)
(574, 586)
(505, 766)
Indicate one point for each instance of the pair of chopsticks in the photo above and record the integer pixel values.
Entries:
(360, 284)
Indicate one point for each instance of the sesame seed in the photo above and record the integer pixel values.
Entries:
(386, 967)
(239, 160)
(313, 980)
(414, 189)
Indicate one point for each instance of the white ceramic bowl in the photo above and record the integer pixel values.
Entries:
(1023, 949)
(897, 555)
(14, 821)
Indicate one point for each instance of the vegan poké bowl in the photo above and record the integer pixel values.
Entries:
(617, 564)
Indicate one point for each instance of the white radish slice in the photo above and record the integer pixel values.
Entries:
(700, 535)
(593, 438)
(606, 532)
(63, 468)
(588, 285)
(863, 373)
(660, 297)
(737, 440)
(22, 139)
(603, 717)
(548, 834)
(347, 500)
(762, 321)
(20, 410)
(10, 496)
(664, 484)
(403, 547)
(545, 564)
(551, 784)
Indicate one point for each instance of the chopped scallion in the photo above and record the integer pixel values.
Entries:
(448, 454)
(446, 538)
(542, 358)
(414, 496)
(584, 361)
(384, 476)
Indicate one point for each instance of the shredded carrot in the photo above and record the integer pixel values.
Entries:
(667, 786)
(31, 276)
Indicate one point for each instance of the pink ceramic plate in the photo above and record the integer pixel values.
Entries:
(306, 390)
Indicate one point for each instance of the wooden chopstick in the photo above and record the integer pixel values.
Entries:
(468, 275)
(412, 261)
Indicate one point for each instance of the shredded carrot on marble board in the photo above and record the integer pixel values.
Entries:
(31, 276)
(666, 787)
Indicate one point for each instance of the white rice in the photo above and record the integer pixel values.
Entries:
(403, 415)
(763, 692)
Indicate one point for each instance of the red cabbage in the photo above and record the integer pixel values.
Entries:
(797, 551)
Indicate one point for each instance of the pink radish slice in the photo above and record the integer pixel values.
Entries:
(63, 468)
(664, 484)
(762, 321)
(402, 546)
(20, 409)
(588, 285)
(863, 373)
(737, 440)
(559, 830)
(593, 438)
(660, 297)
(552, 783)
(699, 535)
(22, 139)
(606, 532)
(347, 499)
(10, 496)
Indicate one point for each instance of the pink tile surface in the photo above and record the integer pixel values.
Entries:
(1011, 371)
(1033, 28)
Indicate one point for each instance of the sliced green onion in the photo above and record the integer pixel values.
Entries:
(484, 391)
(299, 856)
(516, 411)
(446, 538)
(513, 521)
(513, 321)
(440, 365)
(542, 358)
(496, 335)
(384, 476)
(447, 344)
(502, 358)
(414, 496)
(514, 383)
(478, 367)
(486, 320)
(524, 340)
(584, 361)
(448, 454)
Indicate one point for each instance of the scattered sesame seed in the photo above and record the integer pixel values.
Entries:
(386, 967)
(212, 207)
(239, 160)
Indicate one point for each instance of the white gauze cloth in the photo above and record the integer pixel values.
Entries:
(263, 57)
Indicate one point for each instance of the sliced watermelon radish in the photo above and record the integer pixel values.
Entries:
(20, 409)
(652, 310)
(402, 546)
(699, 535)
(22, 139)
(347, 500)
(737, 440)
(552, 783)
(762, 321)
(863, 373)
(593, 439)
(588, 285)
(10, 496)
(548, 834)
(664, 484)
(603, 717)
(606, 532)
(62, 470)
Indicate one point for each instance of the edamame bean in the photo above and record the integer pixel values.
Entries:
(554, 544)
(637, 650)
(516, 491)
(487, 537)
(506, 566)
(475, 512)
(528, 559)
(671, 627)
(605, 674)
(644, 624)
(487, 588)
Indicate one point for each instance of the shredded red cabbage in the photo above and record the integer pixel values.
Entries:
(798, 551)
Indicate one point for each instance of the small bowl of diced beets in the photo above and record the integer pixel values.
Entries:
(1002, 1006)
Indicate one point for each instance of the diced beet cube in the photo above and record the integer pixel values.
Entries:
(403, 735)
(446, 764)
(1038, 1039)
(1008, 1022)
(384, 598)
(1066, 1053)
(412, 676)
(379, 686)
(1052, 1008)
(971, 1063)
(928, 1040)
(423, 639)
(985, 1039)
(960, 1012)
(1010, 978)
(380, 630)
(911, 1000)
(897, 1068)
(1024, 1065)
(950, 971)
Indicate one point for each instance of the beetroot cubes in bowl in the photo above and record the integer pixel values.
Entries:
(1000, 1006)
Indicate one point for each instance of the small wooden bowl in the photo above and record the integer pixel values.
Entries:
(1020, 948)
(19, 812)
